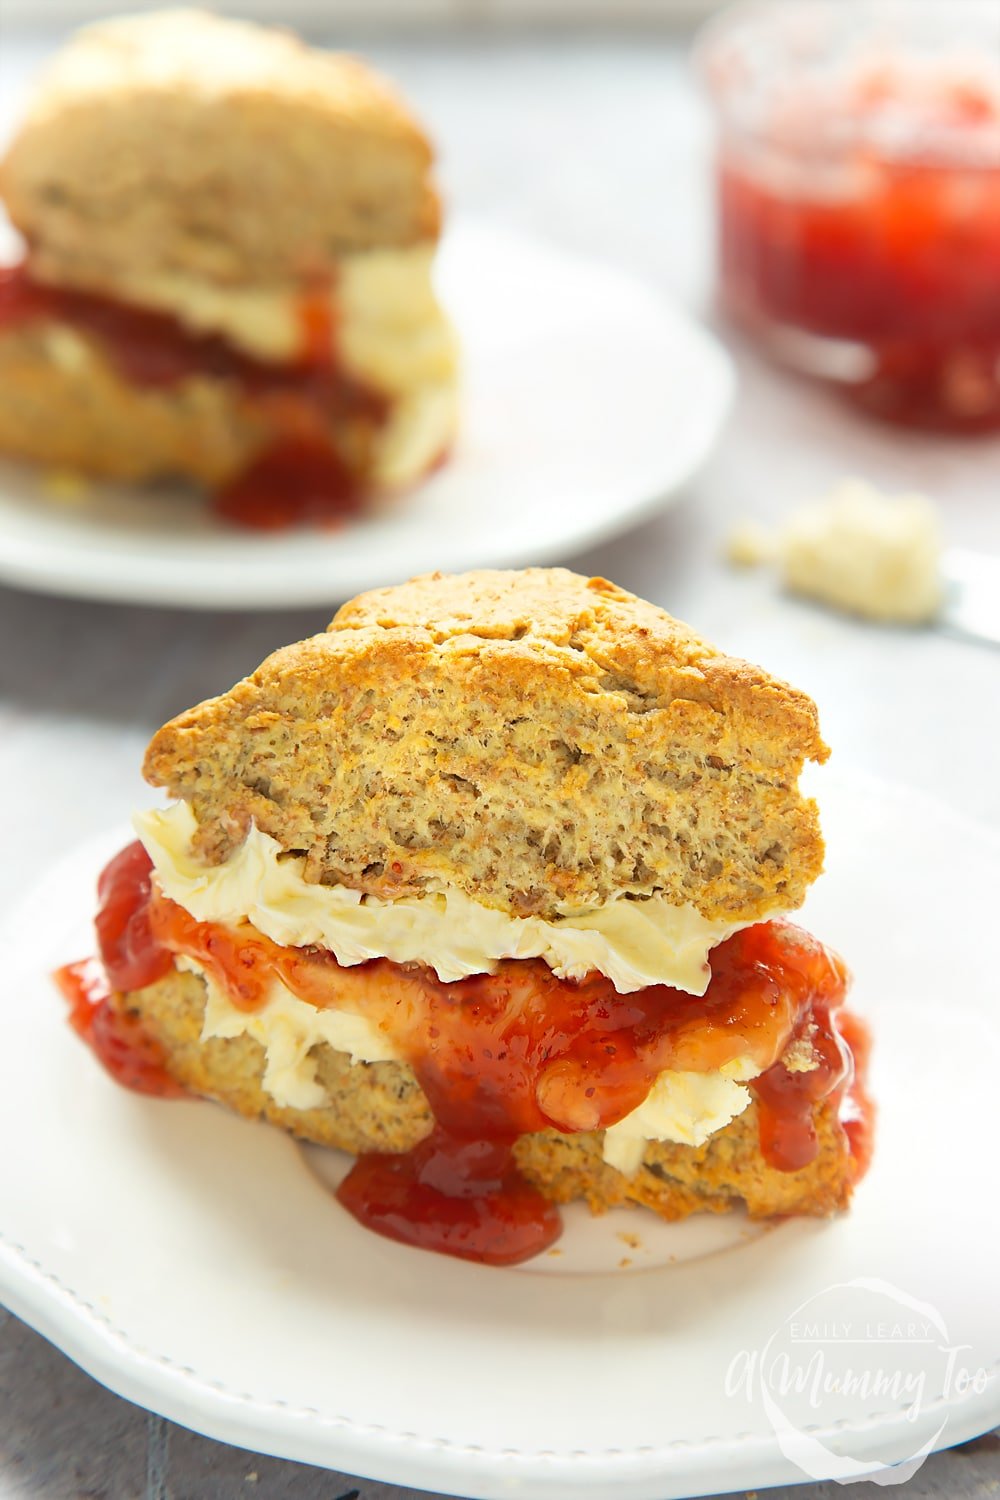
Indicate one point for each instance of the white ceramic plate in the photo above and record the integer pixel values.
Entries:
(195, 1263)
(588, 401)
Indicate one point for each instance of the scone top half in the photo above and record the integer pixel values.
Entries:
(180, 143)
(544, 744)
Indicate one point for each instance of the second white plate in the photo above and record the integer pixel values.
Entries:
(588, 400)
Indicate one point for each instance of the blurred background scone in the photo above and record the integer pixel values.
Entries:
(228, 274)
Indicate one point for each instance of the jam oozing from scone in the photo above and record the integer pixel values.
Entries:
(499, 1055)
(130, 959)
(521, 1050)
(296, 481)
(131, 955)
(457, 1194)
(300, 475)
(128, 1052)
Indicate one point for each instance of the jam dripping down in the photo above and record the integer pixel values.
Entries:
(519, 1051)
(118, 1039)
(458, 1195)
(130, 959)
(299, 481)
(299, 477)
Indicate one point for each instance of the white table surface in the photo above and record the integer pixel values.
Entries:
(600, 145)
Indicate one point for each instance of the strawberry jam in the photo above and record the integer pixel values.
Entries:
(130, 959)
(517, 1051)
(455, 1194)
(298, 476)
(117, 1039)
(859, 211)
(520, 1050)
(131, 956)
(785, 1099)
(294, 482)
(499, 1055)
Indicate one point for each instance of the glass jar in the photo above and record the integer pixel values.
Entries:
(858, 188)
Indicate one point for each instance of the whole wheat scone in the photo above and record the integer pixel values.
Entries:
(185, 143)
(380, 1107)
(539, 741)
(545, 745)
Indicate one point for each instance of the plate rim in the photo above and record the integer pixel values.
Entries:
(213, 1409)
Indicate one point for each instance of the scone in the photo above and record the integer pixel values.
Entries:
(228, 271)
(486, 884)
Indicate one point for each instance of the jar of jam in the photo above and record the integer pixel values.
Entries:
(858, 190)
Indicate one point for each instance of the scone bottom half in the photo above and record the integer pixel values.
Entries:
(270, 337)
(488, 885)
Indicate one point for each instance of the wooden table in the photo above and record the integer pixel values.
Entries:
(598, 144)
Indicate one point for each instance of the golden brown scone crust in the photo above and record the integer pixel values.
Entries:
(62, 404)
(539, 741)
(181, 141)
(380, 1107)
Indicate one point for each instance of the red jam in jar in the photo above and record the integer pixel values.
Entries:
(858, 188)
